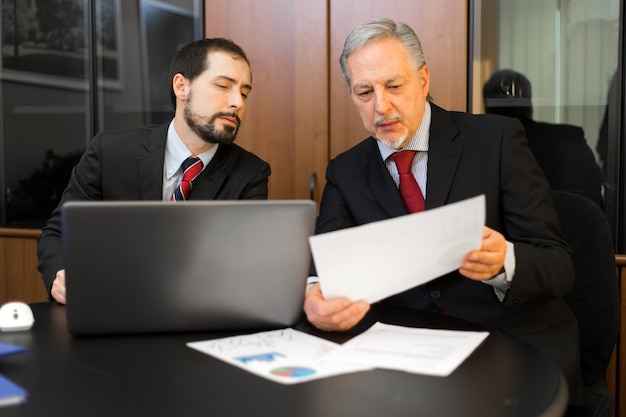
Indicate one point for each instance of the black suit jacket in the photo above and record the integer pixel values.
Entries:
(562, 152)
(471, 155)
(128, 165)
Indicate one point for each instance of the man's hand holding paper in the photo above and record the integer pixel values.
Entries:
(488, 261)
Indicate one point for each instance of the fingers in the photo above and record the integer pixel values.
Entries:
(493, 241)
(488, 261)
(58, 287)
(482, 265)
(337, 314)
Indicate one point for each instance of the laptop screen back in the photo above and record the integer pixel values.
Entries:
(137, 267)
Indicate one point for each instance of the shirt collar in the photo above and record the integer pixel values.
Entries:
(176, 152)
(419, 142)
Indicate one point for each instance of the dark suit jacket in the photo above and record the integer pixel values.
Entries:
(128, 165)
(471, 155)
(568, 162)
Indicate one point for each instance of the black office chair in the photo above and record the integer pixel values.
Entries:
(595, 297)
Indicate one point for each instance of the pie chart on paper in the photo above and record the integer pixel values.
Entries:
(293, 371)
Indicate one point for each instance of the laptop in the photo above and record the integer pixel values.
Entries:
(156, 266)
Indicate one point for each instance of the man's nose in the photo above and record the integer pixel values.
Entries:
(236, 100)
(381, 100)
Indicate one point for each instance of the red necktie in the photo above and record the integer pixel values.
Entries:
(409, 189)
(192, 167)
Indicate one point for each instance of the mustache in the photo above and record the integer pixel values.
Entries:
(389, 118)
(227, 114)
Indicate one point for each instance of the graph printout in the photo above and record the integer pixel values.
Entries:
(286, 356)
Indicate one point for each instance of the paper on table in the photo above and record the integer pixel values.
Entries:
(286, 356)
(380, 259)
(416, 350)
(289, 356)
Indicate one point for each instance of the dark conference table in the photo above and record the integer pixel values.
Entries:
(158, 375)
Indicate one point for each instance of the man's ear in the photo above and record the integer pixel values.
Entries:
(425, 79)
(179, 85)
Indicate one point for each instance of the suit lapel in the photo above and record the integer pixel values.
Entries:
(212, 177)
(150, 170)
(443, 157)
(150, 165)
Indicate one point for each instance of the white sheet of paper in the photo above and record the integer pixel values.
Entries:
(289, 356)
(380, 259)
(415, 350)
(286, 356)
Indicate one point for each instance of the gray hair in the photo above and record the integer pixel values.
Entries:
(379, 29)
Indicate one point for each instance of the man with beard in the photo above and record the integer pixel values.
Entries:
(515, 282)
(210, 82)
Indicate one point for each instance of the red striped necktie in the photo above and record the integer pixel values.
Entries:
(192, 167)
(409, 189)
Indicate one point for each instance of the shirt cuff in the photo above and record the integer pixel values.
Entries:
(312, 280)
(502, 282)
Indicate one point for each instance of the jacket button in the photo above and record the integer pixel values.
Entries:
(436, 294)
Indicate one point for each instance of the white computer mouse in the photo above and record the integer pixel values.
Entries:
(15, 316)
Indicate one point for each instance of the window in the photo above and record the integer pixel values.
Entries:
(69, 69)
(570, 50)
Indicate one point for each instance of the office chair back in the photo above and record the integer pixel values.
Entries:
(595, 297)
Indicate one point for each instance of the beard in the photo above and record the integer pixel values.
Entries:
(207, 130)
(391, 142)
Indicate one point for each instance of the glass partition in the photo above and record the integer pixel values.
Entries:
(69, 69)
(570, 51)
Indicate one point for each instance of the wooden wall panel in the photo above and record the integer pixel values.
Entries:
(616, 371)
(617, 374)
(442, 28)
(19, 278)
(286, 122)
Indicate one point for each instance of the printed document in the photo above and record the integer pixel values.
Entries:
(286, 356)
(380, 259)
(289, 356)
(415, 350)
